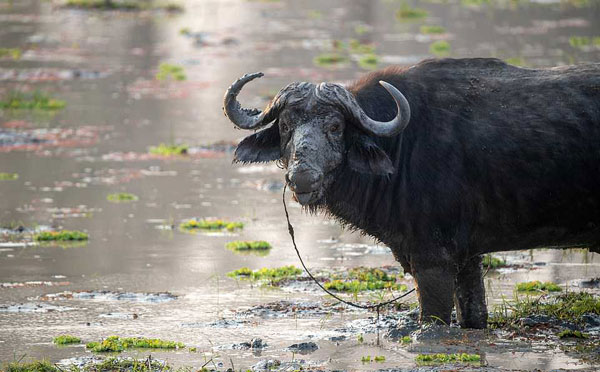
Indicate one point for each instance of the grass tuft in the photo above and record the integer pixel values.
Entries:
(407, 13)
(36, 366)
(273, 275)
(259, 245)
(368, 61)
(447, 358)
(329, 59)
(14, 53)
(169, 150)
(569, 333)
(60, 236)
(440, 48)
(537, 286)
(8, 176)
(210, 225)
(34, 101)
(118, 344)
(66, 340)
(167, 71)
(121, 197)
(430, 29)
(492, 262)
(365, 279)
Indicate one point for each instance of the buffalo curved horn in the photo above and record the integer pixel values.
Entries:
(383, 128)
(241, 117)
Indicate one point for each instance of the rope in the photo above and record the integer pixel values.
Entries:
(377, 307)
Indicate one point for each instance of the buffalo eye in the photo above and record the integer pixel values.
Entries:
(284, 127)
(335, 128)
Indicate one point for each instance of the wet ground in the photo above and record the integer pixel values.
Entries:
(139, 276)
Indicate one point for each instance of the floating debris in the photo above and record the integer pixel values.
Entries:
(32, 284)
(44, 74)
(111, 296)
(38, 140)
(31, 307)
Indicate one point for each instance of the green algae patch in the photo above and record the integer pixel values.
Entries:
(169, 150)
(583, 42)
(569, 333)
(492, 262)
(167, 71)
(118, 344)
(35, 101)
(368, 61)
(537, 286)
(432, 29)
(121, 197)
(36, 366)
(210, 225)
(329, 59)
(364, 279)
(440, 358)
(407, 13)
(570, 306)
(8, 176)
(273, 275)
(252, 245)
(66, 340)
(61, 236)
(440, 48)
(14, 53)
(376, 359)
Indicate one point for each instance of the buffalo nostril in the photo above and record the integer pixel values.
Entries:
(305, 181)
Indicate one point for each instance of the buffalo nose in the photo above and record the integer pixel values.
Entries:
(304, 181)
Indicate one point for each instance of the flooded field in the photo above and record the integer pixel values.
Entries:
(87, 97)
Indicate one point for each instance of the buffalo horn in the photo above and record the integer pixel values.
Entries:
(244, 118)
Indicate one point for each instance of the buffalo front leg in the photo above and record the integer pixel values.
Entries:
(469, 296)
(435, 288)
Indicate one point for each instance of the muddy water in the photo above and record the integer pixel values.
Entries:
(103, 65)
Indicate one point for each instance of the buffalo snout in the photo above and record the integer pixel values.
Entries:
(304, 182)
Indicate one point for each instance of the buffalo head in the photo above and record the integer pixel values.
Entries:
(313, 130)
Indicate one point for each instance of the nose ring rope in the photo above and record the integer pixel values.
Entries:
(377, 307)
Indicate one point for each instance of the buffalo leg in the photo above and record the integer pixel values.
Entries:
(469, 296)
(435, 287)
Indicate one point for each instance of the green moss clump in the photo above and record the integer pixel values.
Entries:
(447, 358)
(537, 286)
(60, 236)
(169, 150)
(36, 366)
(570, 306)
(568, 333)
(118, 344)
(8, 176)
(14, 53)
(440, 48)
(329, 59)
(582, 42)
(368, 62)
(66, 340)
(430, 29)
(492, 262)
(121, 197)
(169, 71)
(35, 101)
(273, 275)
(406, 13)
(210, 225)
(365, 279)
(259, 245)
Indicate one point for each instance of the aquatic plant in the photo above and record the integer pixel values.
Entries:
(118, 344)
(35, 366)
(582, 42)
(440, 48)
(537, 286)
(35, 101)
(474, 2)
(206, 224)
(447, 358)
(432, 29)
(406, 340)
(60, 236)
(8, 176)
(357, 47)
(407, 13)
(570, 306)
(516, 61)
(274, 275)
(169, 150)
(329, 59)
(492, 262)
(569, 333)
(121, 197)
(14, 53)
(66, 340)
(361, 29)
(169, 71)
(258, 245)
(368, 61)
(364, 279)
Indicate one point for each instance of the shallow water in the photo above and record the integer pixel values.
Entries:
(103, 66)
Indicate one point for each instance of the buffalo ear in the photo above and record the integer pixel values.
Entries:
(364, 156)
(262, 146)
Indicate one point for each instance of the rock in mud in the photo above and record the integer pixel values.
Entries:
(591, 320)
(266, 365)
(303, 347)
(535, 319)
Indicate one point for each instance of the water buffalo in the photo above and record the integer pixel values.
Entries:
(442, 162)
